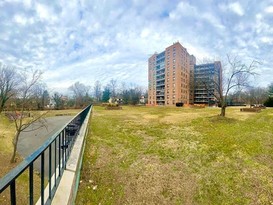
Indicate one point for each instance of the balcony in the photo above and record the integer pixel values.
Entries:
(160, 79)
(160, 92)
(160, 100)
(160, 84)
(160, 73)
(161, 68)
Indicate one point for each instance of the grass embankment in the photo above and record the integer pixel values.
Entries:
(7, 131)
(160, 155)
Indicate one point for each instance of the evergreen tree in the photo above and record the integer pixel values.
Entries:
(106, 94)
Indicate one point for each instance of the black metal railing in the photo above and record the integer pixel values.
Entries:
(52, 157)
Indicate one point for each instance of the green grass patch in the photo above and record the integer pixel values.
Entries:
(169, 155)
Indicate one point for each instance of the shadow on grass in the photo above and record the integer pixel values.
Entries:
(221, 119)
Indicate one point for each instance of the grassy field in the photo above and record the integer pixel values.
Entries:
(160, 155)
(7, 131)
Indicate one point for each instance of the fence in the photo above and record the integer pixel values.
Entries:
(55, 152)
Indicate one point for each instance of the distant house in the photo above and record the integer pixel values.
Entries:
(115, 100)
(142, 99)
(119, 100)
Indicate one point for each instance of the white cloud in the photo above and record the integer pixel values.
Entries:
(212, 20)
(44, 13)
(236, 8)
(145, 33)
(269, 9)
(27, 3)
(183, 9)
(267, 40)
(20, 19)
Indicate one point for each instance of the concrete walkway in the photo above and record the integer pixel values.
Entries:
(33, 138)
(30, 140)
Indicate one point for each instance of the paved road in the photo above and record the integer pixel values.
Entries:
(33, 138)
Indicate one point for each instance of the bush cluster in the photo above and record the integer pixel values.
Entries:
(269, 102)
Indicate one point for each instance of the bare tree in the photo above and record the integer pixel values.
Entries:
(234, 76)
(58, 100)
(80, 92)
(257, 95)
(113, 87)
(22, 120)
(131, 94)
(97, 91)
(9, 80)
(40, 95)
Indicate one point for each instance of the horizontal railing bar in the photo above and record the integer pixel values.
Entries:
(14, 173)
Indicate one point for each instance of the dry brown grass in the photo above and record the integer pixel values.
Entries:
(178, 156)
(7, 130)
(150, 181)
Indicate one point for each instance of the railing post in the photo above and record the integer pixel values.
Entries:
(42, 177)
(13, 193)
(55, 162)
(31, 184)
(49, 171)
(60, 148)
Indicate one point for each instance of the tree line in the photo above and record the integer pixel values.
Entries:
(22, 90)
(40, 98)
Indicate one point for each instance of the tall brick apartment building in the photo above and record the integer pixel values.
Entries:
(171, 76)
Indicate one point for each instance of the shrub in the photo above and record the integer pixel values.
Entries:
(269, 102)
(179, 104)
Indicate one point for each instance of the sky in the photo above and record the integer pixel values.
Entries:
(89, 40)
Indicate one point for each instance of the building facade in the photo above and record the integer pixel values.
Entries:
(192, 64)
(169, 76)
(207, 83)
